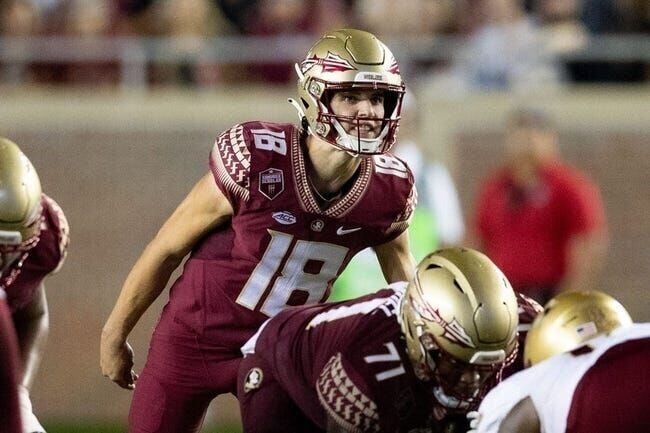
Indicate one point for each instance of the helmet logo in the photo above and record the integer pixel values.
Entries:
(329, 63)
(452, 331)
(394, 68)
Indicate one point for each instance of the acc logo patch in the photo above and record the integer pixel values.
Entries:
(271, 183)
(286, 218)
(253, 379)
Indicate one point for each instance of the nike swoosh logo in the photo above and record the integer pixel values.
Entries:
(341, 231)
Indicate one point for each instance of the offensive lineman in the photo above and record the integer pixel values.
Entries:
(411, 358)
(33, 245)
(278, 218)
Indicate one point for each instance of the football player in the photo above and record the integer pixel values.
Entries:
(279, 216)
(9, 370)
(588, 373)
(414, 357)
(33, 245)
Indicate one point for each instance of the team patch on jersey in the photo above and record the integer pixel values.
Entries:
(286, 218)
(317, 225)
(253, 379)
(271, 182)
(344, 401)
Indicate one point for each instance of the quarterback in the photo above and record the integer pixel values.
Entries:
(588, 373)
(414, 357)
(278, 217)
(33, 245)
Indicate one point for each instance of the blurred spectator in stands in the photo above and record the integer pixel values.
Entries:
(436, 222)
(289, 18)
(611, 17)
(540, 220)
(506, 52)
(560, 24)
(423, 20)
(18, 19)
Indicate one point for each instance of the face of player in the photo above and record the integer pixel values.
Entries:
(461, 380)
(362, 105)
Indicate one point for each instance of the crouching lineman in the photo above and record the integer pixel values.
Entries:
(33, 243)
(594, 378)
(410, 358)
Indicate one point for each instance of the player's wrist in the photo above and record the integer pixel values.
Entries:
(113, 336)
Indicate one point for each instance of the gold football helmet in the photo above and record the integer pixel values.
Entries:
(344, 60)
(569, 320)
(20, 200)
(459, 318)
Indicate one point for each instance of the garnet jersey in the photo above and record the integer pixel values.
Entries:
(603, 386)
(281, 248)
(348, 361)
(24, 276)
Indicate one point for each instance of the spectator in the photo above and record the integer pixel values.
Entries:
(539, 219)
(506, 52)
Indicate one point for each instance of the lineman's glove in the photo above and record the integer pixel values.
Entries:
(29, 420)
(474, 418)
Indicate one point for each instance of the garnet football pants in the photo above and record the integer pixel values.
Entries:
(179, 380)
(265, 405)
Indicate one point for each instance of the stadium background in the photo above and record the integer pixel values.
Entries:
(118, 143)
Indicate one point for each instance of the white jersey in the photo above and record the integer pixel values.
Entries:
(551, 384)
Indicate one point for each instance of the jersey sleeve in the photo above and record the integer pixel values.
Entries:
(345, 399)
(62, 230)
(403, 219)
(230, 163)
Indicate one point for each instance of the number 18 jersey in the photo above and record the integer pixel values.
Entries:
(281, 247)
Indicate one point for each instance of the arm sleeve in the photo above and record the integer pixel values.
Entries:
(230, 162)
(344, 399)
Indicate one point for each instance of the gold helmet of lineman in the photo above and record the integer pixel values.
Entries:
(569, 320)
(20, 200)
(343, 60)
(459, 317)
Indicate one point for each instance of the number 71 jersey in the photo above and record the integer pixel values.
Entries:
(282, 248)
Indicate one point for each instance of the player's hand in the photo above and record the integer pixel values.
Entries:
(116, 360)
(474, 418)
(29, 420)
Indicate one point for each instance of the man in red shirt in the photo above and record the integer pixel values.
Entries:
(540, 220)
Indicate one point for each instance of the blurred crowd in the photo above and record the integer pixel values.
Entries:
(506, 43)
